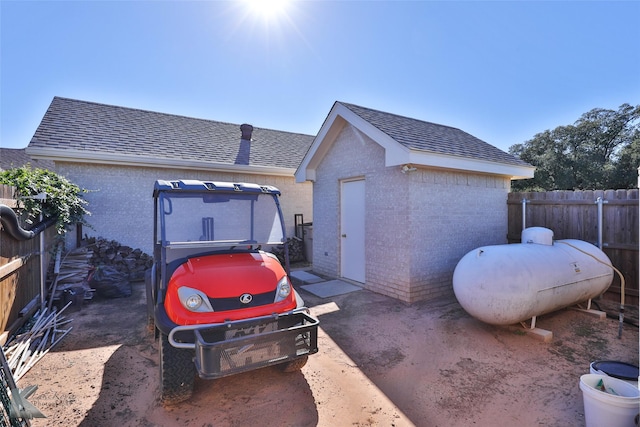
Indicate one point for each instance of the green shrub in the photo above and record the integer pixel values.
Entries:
(64, 199)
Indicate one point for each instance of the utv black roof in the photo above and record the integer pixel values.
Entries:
(192, 185)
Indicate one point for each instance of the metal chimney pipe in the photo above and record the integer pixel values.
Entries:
(246, 130)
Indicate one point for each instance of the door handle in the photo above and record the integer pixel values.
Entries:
(344, 235)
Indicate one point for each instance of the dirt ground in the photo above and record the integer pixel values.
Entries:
(381, 363)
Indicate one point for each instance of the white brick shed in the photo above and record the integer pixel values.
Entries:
(397, 201)
(118, 153)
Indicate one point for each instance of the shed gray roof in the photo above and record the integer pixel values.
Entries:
(411, 142)
(80, 126)
(431, 137)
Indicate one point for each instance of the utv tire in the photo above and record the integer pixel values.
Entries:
(295, 365)
(177, 372)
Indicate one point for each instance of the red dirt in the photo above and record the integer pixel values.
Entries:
(380, 362)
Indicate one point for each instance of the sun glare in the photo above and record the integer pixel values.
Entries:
(273, 23)
(267, 9)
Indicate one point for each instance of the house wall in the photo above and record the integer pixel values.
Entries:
(121, 203)
(418, 225)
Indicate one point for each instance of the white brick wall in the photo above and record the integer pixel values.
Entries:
(121, 203)
(418, 225)
(351, 156)
(453, 213)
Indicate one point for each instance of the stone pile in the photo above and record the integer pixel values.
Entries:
(296, 250)
(109, 253)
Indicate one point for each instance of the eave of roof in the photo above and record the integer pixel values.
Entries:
(83, 156)
(407, 152)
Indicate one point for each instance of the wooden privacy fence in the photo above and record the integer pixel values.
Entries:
(20, 280)
(574, 215)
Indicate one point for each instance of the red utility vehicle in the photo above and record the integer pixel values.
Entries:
(218, 298)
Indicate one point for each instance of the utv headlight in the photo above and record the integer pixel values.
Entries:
(283, 290)
(194, 300)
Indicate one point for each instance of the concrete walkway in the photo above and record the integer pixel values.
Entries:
(320, 287)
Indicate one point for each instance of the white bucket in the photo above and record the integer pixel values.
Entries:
(603, 409)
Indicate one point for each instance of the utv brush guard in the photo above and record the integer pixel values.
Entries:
(244, 345)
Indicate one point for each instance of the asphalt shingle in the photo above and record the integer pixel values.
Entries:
(431, 137)
(71, 124)
(11, 158)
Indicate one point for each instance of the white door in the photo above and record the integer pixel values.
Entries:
(352, 256)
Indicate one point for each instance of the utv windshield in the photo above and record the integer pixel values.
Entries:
(225, 218)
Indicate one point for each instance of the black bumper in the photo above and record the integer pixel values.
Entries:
(239, 346)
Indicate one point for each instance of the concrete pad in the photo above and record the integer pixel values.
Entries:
(305, 277)
(331, 288)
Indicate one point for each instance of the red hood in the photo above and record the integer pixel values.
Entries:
(229, 275)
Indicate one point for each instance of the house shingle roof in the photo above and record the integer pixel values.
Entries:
(17, 157)
(434, 138)
(77, 125)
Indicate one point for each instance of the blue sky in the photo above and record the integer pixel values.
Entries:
(502, 71)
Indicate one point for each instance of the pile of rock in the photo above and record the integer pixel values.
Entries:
(296, 250)
(110, 253)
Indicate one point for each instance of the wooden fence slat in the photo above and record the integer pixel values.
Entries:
(574, 215)
(12, 266)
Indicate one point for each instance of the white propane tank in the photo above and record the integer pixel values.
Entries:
(507, 284)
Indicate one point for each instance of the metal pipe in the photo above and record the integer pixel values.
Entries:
(524, 213)
(43, 268)
(600, 202)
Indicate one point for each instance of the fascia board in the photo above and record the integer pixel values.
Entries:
(319, 147)
(79, 156)
(417, 158)
(338, 117)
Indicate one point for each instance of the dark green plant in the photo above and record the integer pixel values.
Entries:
(599, 151)
(64, 200)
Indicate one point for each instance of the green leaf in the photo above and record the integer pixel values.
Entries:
(64, 200)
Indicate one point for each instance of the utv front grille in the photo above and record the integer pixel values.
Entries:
(233, 303)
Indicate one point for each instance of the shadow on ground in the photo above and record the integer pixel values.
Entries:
(381, 362)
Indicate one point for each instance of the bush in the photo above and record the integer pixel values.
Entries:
(64, 200)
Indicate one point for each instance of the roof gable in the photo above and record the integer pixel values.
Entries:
(412, 141)
(90, 132)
